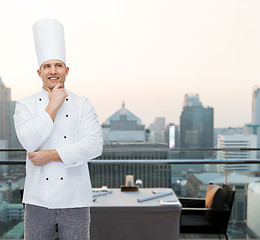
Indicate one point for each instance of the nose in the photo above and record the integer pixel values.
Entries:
(53, 70)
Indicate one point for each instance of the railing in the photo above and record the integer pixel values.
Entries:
(168, 172)
(158, 161)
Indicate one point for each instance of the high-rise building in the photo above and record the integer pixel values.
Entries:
(254, 126)
(237, 141)
(123, 126)
(191, 99)
(157, 130)
(256, 105)
(7, 130)
(253, 129)
(171, 135)
(5, 98)
(227, 131)
(196, 124)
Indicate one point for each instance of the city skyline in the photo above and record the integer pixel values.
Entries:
(146, 53)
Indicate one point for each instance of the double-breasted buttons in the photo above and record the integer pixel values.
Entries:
(61, 178)
(56, 175)
(66, 117)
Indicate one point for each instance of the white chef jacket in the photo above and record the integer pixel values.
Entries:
(75, 134)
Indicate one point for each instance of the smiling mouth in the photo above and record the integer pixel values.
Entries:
(53, 79)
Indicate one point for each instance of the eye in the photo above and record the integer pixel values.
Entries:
(46, 66)
(59, 65)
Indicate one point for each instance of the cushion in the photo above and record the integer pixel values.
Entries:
(215, 197)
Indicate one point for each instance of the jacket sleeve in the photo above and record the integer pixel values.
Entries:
(31, 132)
(90, 144)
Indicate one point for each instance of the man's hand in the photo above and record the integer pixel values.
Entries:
(43, 157)
(56, 98)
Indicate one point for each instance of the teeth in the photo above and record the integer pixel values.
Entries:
(53, 78)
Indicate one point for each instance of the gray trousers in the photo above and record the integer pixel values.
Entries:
(40, 223)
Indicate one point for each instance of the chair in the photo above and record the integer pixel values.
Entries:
(209, 215)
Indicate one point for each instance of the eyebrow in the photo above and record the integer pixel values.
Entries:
(57, 63)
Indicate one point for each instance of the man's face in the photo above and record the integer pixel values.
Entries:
(53, 72)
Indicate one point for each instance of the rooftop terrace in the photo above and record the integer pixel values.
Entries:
(164, 169)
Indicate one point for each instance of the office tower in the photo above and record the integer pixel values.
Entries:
(171, 135)
(196, 124)
(157, 130)
(7, 130)
(253, 129)
(237, 141)
(227, 131)
(191, 99)
(256, 105)
(123, 126)
(5, 98)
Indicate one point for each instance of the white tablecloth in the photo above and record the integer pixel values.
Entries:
(119, 216)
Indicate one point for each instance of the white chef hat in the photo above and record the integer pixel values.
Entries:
(49, 40)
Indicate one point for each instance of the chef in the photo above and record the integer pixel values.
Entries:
(61, 133)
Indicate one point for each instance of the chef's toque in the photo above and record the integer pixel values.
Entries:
(49, 40)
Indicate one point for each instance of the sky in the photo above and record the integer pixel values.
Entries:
(147, 53)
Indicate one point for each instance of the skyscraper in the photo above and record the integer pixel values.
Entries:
(237, 141)
(5, 98)
(157, 130)
(256, 105)
(196, 124)
(254, 126)
(7, 130)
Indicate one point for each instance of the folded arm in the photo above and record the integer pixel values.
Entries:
(42, 157)
(33, 133)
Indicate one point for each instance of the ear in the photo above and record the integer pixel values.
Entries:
(67, 70)
(39, 72)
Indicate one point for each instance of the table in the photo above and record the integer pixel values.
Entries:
(119, 216)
